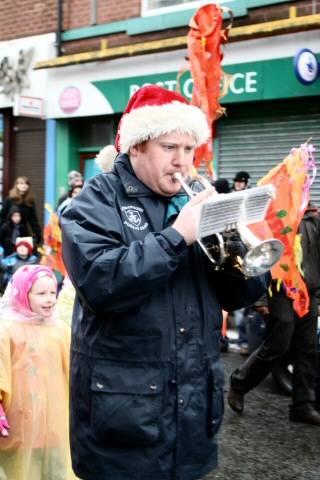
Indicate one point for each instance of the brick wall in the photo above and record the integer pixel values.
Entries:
(257, 15)
(119, 39)
(19, 18)
(113, 10)
(23, 18)
(77, 12)
(278, 12)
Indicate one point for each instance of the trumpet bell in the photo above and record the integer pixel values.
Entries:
(262, 257)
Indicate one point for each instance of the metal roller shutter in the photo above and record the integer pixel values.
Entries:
(256, 137)
(29, 156)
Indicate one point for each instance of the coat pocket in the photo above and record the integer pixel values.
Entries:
(216, 400)
(126, 403)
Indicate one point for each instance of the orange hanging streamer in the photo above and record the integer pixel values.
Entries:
(283, 218)
(52, 251)
(204, 50)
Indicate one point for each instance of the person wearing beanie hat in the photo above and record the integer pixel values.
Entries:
(22, 256)
(240, 181)
(14, 227)
(22, 196)
(75, 179)
(147, 313)
(27, 242)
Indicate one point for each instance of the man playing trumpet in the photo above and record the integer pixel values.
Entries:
(146, 380)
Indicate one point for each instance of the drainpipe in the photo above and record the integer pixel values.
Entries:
(93, 12)
(314, 7)
(58, 43)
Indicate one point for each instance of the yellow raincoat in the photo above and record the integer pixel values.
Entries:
(34, 370)
(65, 301)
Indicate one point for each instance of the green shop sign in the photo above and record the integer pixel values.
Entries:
(263, 80)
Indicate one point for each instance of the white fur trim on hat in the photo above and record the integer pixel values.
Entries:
(28, 240)
(152, 121)
(106, 157)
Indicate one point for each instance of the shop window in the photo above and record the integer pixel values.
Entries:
(158, 7)
(95, 131)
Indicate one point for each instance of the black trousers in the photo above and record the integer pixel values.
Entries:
(285, 332)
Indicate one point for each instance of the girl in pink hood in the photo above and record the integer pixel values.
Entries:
(34, 368)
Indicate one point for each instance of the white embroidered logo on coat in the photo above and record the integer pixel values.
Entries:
(133, 215)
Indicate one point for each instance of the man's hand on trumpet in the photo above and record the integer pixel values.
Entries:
(187, 222)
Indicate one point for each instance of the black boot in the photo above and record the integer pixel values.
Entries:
(236, 400)
(224, 344)
(306, 413)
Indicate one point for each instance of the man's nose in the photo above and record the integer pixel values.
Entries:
(178, 157)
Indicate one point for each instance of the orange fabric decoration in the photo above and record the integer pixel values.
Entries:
(52, 251)
(283, 218)
(224, 329)
(204, 50)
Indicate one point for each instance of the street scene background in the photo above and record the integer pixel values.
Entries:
(261, 443)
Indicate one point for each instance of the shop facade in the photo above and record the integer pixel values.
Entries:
(269, 110)
(22, 114)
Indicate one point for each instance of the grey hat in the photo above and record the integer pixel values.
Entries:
(74, 174)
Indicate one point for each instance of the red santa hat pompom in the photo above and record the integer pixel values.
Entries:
(154, 111)
(106, 157)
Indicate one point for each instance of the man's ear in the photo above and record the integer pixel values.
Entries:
(133, 152)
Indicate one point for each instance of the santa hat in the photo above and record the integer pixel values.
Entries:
(106, 157)
(26, 241)
(154, 111)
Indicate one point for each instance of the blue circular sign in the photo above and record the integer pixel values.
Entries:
(306, 66)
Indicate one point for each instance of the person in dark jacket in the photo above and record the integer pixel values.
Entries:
(222, 185)
(146, 380)
(286, 331)
(21, 195)
(11, 229)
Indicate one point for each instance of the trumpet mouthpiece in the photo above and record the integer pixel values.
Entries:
(178, 177)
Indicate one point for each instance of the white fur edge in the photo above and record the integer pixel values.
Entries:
(151, 121)
(106, 157)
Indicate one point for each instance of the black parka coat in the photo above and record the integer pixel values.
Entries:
(146, 381)
(7, 240)
(309, 229)
(29, 216)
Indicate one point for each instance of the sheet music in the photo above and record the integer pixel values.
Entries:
(224, 211)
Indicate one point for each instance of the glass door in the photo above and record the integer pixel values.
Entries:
(88, 167)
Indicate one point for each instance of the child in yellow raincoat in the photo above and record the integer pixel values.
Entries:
(34, 369)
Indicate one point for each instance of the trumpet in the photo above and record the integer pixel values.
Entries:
(237, 246)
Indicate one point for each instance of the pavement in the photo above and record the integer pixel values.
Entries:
(261, 443)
